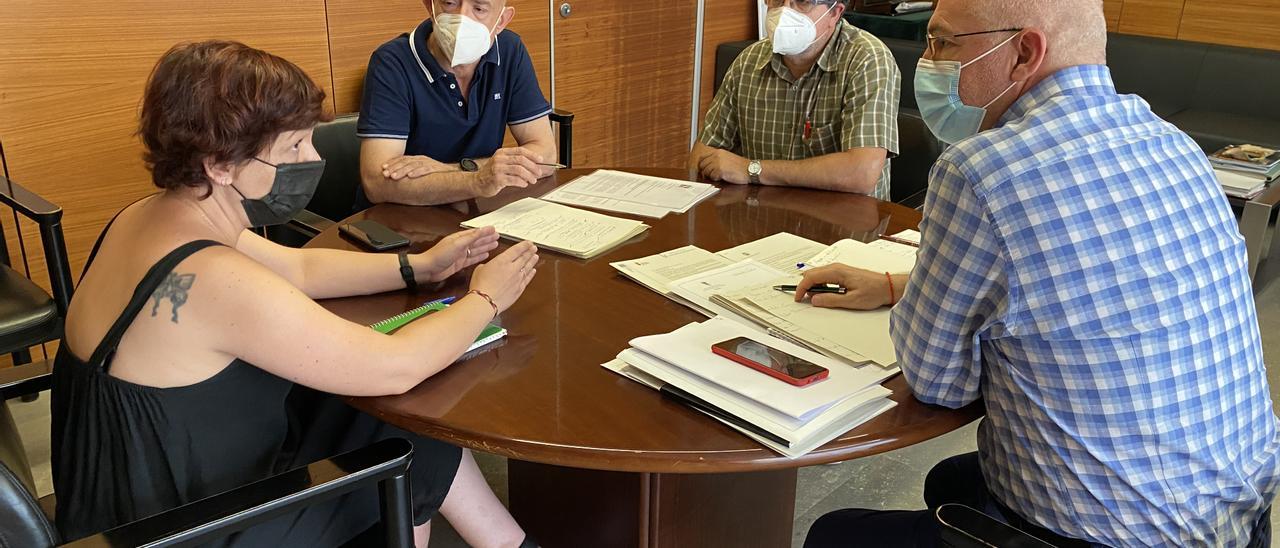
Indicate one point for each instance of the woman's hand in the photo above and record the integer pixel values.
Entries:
(455, 252)
(504, 278)
(867, 290)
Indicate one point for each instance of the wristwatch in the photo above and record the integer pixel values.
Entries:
(406, 272)
(467, 164)
(753, 172)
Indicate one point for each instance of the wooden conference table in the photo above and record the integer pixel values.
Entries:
(597, 459)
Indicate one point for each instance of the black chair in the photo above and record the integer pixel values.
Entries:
(918, 149)
(28, 314)
(24, 523)
(340, 195)
(964, 527)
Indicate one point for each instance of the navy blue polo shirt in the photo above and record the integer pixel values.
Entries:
(408, 95)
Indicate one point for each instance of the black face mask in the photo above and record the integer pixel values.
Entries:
(291, 191)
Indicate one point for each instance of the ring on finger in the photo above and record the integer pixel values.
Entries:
(468, 253)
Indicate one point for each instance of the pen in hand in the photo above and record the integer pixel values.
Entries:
(815, 289)
(557, 166)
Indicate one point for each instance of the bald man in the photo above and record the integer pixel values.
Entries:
(1081, 274)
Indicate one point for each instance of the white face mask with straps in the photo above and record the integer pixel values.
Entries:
(463, 39)
(792, 32)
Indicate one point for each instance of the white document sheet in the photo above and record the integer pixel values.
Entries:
(782, 251)
(607, 204)
(657, 272)
(699, 288)
(878, 256)
(689, 349)
(579, 233)
(909, 235)
(621, 188)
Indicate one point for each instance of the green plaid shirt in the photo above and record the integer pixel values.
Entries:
(759, 112)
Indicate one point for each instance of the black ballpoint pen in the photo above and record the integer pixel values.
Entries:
(815, 289)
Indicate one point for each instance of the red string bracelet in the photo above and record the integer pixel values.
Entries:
(890, 278)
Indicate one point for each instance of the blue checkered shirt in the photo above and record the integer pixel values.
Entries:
(1081, 272)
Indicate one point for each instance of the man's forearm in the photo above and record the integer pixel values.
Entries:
(842, 171)
(431, 189)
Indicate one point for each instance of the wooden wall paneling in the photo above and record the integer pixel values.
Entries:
(1151, 17)
(72, 76)
(1245, 23)
(1112, 8)
(626, 70)
(723, 21)
(356, 28)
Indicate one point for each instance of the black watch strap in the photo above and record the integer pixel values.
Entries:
(406, 272)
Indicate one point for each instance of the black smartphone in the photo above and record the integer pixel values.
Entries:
(770, 361)
(374, 235)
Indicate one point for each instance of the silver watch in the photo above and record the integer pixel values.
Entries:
(753, 172)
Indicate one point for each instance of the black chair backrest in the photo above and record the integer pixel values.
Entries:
(337, 143)
(22, 522)
(918, 149)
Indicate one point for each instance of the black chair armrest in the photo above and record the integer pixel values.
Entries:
(28, 203)
(565, 119)
(964, 527)
(915, 201)
(310, 223)
(386, 461)
(49, 217)
(25, 380)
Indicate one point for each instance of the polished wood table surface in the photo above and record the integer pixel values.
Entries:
(541, 398)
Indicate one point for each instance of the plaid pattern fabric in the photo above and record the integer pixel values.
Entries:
(759, 112)
(1081, 272)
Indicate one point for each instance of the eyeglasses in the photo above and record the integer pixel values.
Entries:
(799, 5)
(933, 41)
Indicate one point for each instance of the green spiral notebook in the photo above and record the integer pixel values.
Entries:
(490, 333)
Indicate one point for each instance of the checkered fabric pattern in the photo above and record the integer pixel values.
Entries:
(1081, 272)
(759, 112)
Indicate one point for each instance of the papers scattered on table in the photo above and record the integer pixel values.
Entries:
(631, 193)
(789, 419)
(574, 232)
(781, 251)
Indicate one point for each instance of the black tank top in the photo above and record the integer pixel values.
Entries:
(123, 451)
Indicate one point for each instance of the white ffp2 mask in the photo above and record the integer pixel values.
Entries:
(462, 38)
(792, 32)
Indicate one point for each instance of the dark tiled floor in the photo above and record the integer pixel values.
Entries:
(889, 481)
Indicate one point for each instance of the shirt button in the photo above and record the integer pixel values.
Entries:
(453, 86)
(459, 103)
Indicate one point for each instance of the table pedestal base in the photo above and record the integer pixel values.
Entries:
(570, 507)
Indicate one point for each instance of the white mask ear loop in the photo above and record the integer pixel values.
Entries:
(989, 52)
(992, 50)
(824, 14)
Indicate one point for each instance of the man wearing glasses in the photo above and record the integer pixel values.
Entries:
(813, 104)
(1081, 274)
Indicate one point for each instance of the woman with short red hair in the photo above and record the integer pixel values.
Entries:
(176, 376)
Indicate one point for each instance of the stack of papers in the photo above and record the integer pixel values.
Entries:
(631, 193)
(574, 232)
(1240, 185)
(789, 419)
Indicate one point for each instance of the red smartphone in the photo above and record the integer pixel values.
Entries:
(770, 361)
